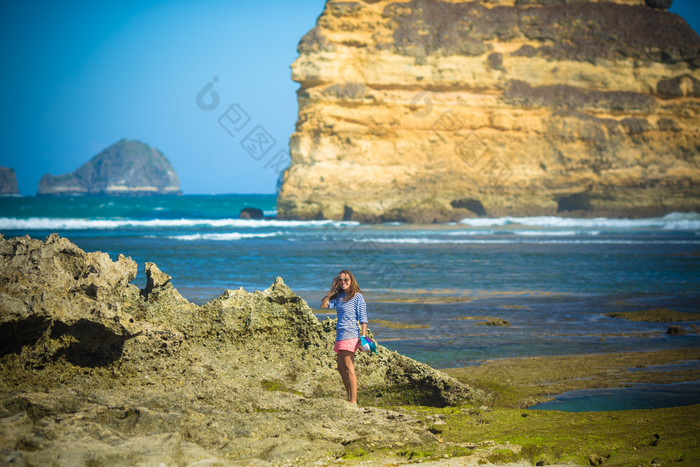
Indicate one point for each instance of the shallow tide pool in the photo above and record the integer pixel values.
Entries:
(638, 396)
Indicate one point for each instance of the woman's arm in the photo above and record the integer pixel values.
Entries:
(361, 311)
(327, 297)
(324, 300)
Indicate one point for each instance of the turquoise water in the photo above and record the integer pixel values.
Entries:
(637, 397)
(552, 278)
(81, 210)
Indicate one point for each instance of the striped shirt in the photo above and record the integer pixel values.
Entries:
(349, 313)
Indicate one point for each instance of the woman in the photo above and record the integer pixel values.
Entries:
(347, 299)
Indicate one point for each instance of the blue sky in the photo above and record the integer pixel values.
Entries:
(80, 75)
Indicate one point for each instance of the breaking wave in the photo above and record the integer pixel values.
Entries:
(49, 223)
(223, 236)
(423, 240)
(673, 221)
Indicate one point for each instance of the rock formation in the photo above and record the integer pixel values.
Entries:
(251, 213)
(432, 111)
(127, 167)
(8, 181)
(96, 371)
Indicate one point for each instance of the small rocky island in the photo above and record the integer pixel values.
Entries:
(8, 182)
(126, 168)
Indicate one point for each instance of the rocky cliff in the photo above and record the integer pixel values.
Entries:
(8, 181)
(96, 371)
(432, 111)
(125, 168)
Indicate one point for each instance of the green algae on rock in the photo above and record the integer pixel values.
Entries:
(397, 325)
(533, 437)
(486, 320)
(96, 370)
(656, 315)
(503, 432)
(523, 382)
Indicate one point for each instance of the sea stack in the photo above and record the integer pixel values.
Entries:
(433, 111)
(126, 168)
(8, 182)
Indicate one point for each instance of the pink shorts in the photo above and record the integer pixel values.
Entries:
(347, 344)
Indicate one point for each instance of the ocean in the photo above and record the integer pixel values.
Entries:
(552, 278)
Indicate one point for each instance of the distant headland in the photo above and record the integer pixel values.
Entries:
(126, 168)
(8, 182)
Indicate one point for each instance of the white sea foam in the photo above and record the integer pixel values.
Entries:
(573, 241)
(49, 223)
(466, 232)
(223, 236)
(674, 221)
(555, 233)
(422, 240)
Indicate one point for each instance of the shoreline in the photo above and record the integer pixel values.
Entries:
(96, 369)
(526, 381)
(501, 431)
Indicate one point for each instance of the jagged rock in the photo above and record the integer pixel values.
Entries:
(495, 322)
(676, 330)
(127, 167)
(251, 213)
(97, 371)
(155, 278)
(68, 302)
(8, 181)
(655, 315)
(415, 106)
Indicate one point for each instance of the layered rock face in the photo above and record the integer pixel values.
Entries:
(432, 111)
(8, 181)
(96, 371)
(127, 167)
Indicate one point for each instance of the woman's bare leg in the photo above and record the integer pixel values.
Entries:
(346, 368)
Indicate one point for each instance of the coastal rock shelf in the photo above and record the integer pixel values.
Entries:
(433, 111)
(96, 370)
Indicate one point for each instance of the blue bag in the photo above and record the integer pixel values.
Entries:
(366, 345)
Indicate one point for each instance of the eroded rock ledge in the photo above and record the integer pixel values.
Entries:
(95, 369)
(433, 111)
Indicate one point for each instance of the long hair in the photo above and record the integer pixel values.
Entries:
(352, 290)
